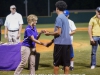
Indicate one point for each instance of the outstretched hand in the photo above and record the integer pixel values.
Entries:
(45, 32)
(46, 44)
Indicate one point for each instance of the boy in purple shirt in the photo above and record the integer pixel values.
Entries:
(28, 45)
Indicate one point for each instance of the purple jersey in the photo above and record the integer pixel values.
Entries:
(29, 31)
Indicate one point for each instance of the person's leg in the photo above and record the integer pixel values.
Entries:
(25, 52)
(93, 53)
(72, 62)
(10, 36)
(72, 58)
(15, 34)
(66, 58)
(32, 61)
(57, 58)
(56, 70)
(66, 70)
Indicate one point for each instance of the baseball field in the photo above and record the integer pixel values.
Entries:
(82, 50)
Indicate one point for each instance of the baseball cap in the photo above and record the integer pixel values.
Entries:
(12, 6)
(66, 12)
(98, 9)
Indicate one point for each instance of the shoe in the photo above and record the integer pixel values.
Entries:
(92, 67)
(71, 68)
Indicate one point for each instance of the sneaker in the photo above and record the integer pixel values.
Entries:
(71, 68)
(92, 67)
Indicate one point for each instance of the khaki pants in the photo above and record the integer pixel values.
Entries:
(26, 53)
(12, 37)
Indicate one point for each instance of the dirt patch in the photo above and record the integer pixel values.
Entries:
(40, 48)
(49, 29)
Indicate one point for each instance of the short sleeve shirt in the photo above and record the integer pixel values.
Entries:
(13, 21)
(64, 38)
(95, 23)
(71, 27)
(29, 31)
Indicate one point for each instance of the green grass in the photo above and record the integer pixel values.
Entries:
(82, 57)
(81, 36)
(81, 25)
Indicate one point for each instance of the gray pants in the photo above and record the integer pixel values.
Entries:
(26, 53)
(12, 37)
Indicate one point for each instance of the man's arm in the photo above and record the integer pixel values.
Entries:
(20, 28)
(19, 32)
(90, 32)
(36, 41)
(50, 43)
(72, 32)
(56, 33)
(39, 35)
(6, 30)
(42, 31)
(58, 26)
(20, 25)
(72, 27)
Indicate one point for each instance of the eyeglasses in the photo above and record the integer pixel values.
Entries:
(13, 8)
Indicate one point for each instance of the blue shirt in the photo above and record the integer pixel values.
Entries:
(29, 31)
(64, 38)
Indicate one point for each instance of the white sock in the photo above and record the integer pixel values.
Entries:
(72, 63)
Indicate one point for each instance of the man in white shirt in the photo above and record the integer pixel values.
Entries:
(72, 30)
(13, 26)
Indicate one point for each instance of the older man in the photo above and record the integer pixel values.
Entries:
(13, 25)
(94, 33)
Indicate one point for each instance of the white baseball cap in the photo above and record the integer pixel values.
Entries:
(12, 6)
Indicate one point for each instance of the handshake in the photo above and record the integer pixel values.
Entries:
(47, 33)
(48, 44)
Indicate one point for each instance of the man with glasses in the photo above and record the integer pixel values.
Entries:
(94, 34)
(13, 25)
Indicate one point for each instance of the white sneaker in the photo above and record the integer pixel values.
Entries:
(92, 67)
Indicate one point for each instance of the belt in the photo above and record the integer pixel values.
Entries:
(13, 30)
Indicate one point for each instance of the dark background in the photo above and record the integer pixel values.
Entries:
(40, 7)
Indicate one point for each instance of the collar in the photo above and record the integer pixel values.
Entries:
(33, 28)
(95, 16)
